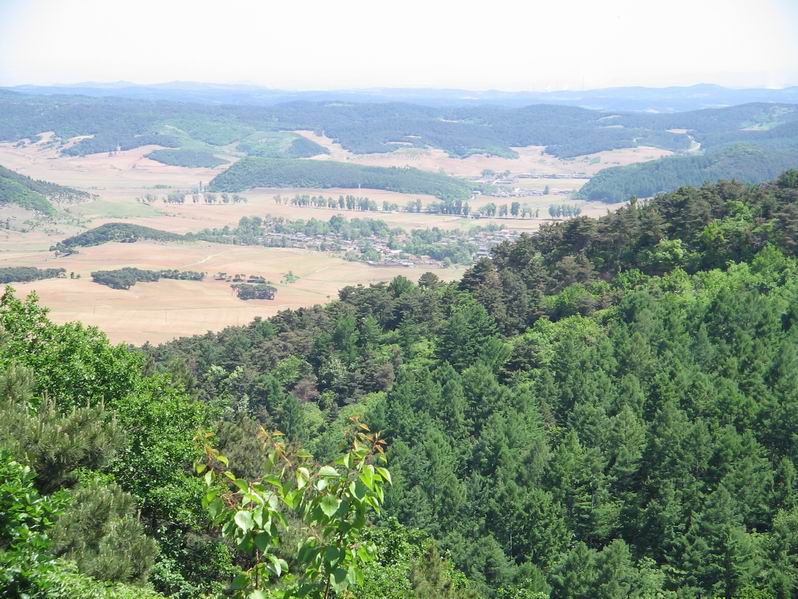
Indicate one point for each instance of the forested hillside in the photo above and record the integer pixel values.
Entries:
(34, 194)
(753, 142)
(183, 157)
(121, 232)
(604, 409)
(363, 127)
(249, 173)
(746, 163)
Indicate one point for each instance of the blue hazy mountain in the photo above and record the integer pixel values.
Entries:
(665, 99)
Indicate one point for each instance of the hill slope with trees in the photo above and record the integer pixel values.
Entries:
(193, 133)
(746, 163)
(603, 409)
(34, 194)
(249, 173)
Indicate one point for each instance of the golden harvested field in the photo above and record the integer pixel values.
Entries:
(157, 312)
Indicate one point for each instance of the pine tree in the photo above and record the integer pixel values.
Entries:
(101, 532)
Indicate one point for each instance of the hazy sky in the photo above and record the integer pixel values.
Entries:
(491, 44)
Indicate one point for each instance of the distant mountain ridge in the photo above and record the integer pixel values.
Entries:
(752, 141)
(637, 99)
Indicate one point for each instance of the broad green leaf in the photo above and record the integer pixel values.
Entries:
(262, 541)
(302, 476)
(339, 581)
(329, 505)
(240, 582)
(332, 555)
(244, 520)
(367, 476)
(385, 474)
(215, 507)
(328, 471)
(277, 563)
(358, 490)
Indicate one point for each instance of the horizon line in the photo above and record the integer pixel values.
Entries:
(127, 83)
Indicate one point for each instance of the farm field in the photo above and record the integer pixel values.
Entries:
(121, 178)
(157, 312)
(127, 170)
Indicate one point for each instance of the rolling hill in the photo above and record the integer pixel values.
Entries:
(33, 194)
(265, 172)
(195, 133)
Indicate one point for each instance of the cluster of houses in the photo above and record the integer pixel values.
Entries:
(239, 278)
(376, 251)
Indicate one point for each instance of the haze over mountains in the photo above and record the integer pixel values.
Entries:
(657, 99)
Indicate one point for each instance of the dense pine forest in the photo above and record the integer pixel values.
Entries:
(606, 408)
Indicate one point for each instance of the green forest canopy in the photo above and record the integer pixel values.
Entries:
(378, 127)
(766, 133)
(747, 163)
(189, 158)
(604, 409)
(249, 173)
(108, 232)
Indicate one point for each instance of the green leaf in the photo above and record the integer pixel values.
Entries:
(367, 476)
(332, 555)
(215, 507)
(277, 563)
(240, 582)
(329, 505)
(358, 490)
(339, 581)
(328, 471)
(262, 541)
(363, 553)
(384, 473)
(302, 477)
(291, 498)
(257, 594)
(244, 520)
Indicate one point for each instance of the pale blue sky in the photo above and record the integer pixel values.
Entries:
(325, 44)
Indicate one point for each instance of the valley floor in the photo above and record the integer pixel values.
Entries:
(157, 312)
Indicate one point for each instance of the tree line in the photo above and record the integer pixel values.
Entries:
(127, 277)
(25, 274)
